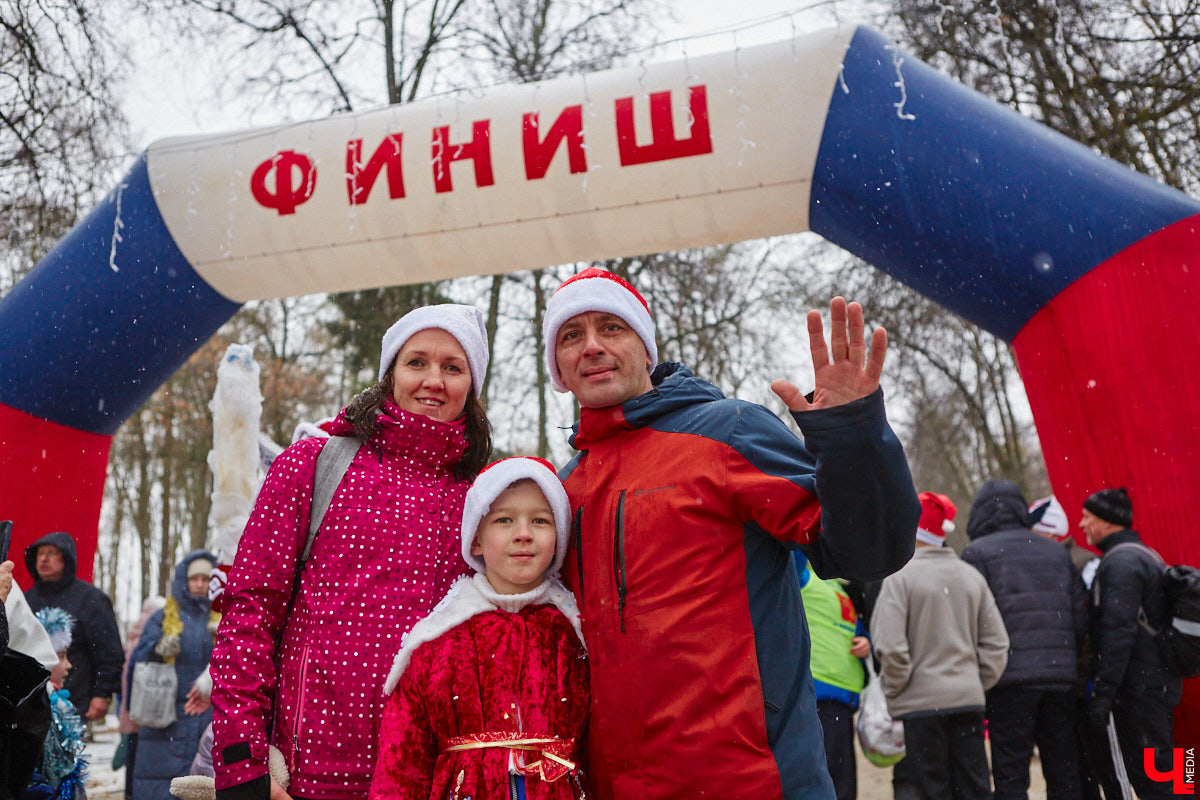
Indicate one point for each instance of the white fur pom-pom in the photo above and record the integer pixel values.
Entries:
(203, 684)
(278, 767)
(194, 787)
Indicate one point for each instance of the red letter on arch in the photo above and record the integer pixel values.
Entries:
(360, 179)
(478, 150)
(538, 155)
(664, 145)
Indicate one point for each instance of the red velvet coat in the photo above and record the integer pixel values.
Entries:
(473, 679)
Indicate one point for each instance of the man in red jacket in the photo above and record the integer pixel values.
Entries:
(686, 506)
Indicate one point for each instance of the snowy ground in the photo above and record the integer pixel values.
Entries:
(104, 783)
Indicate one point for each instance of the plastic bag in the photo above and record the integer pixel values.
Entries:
(152, 694)
(880, 737)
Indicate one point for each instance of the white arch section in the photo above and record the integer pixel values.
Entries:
(1028, 234)
(710, 149)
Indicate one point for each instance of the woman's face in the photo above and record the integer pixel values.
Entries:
(198, 585)
(431, 375)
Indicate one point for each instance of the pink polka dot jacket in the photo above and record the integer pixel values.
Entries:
(387, 551)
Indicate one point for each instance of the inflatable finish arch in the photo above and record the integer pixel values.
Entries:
(1089, 269)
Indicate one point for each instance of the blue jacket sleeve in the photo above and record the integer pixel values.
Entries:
(151, 634)
(869, 507)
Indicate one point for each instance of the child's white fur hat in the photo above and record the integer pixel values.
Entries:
(498, 476)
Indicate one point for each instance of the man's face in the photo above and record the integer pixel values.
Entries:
(602, 360)
(1094, 528)
(50, 562)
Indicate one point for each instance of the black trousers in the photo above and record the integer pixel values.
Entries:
(949, 761)
(1143, 720)
(837, 723)
(1020, 717)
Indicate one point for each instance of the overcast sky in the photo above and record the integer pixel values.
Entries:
(164, 100)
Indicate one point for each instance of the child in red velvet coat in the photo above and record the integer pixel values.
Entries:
(488, 696)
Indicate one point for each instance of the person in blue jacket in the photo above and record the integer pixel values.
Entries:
(180, 634)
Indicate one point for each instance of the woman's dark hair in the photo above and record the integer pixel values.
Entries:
(362, 415)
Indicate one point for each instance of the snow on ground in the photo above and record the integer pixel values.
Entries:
(103, 782)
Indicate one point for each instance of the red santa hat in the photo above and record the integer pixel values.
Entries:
(936, 512)
(596, 289)
(498, 476)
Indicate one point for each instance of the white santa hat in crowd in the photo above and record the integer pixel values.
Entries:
(936, 512)
(464, 323)
(498, 476)
(596, 289)
(1049, 518)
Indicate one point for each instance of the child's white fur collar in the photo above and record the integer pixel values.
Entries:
(469, 597)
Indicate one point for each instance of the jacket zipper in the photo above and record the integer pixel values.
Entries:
(619, 558)
(300, 702)
(577, 535)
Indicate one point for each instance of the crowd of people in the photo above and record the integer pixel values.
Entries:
(1022, 642)
(680, 610)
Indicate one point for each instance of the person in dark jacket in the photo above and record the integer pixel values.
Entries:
(1129, 679)
(96, 654)
(686, 507)
(181, 633)
(1042, 601)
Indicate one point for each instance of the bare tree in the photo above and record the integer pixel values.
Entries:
(954, 390)
(1118, 76)
(61, 131)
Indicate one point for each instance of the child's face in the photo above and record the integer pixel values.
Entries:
(516, 539)
(59, 673)
(198, 585)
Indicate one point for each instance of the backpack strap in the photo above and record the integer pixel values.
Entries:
(332, 464)
(1150, 551)
(1143, 620)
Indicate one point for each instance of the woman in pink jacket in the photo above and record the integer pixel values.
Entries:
(305, 676)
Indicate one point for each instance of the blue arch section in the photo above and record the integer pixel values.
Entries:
(974, 206)
(86, 344)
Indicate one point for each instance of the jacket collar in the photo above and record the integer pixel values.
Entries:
(469, 597)
(1114, 539)
(674, 387)
(934, 552)
(415, 437)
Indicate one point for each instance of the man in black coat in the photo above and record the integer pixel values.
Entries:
(1129, 678)
(1041, 600)
(95, 653)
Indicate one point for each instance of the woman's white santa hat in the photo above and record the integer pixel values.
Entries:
(936, 512)
(498, 476)
(464, 323)
(596, 289)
